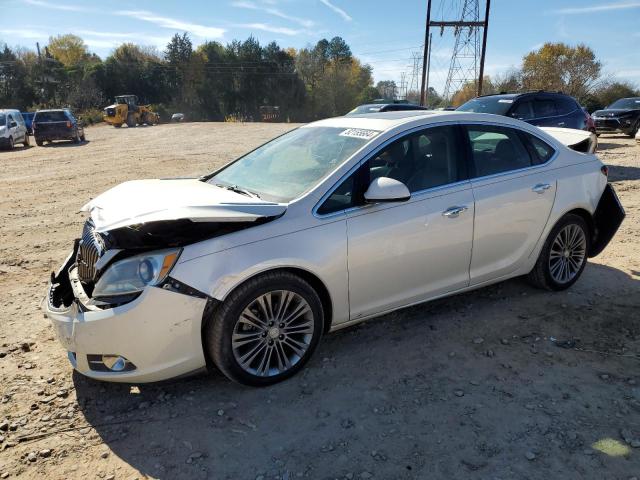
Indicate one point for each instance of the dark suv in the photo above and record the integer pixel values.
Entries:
(621, 116)
(58, 124)
(544, 109)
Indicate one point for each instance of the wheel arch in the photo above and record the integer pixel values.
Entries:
(305, 274)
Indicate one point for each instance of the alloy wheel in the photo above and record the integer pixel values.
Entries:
(273, 333)
(567, 254)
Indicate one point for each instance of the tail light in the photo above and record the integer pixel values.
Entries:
(68, 124)
(605, 170)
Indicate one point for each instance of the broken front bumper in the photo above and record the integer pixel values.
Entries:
(158, 334)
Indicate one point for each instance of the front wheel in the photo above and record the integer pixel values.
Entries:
(266, 330)
(634, 129)
(563, 256)
(39, 141)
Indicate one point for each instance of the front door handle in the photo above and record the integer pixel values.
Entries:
(561, 124)
(541, 187)
(453, 212)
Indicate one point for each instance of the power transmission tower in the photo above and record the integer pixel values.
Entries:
(467, 61)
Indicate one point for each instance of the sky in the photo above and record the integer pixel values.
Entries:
(386, 35)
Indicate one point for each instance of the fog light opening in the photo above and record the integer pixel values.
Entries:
(114, 363)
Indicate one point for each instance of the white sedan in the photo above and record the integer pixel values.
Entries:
(333, 223)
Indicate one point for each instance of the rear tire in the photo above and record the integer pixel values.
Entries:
(131, 120)
(634, 130)
(563, 256)
(26, 142)
(260, 346)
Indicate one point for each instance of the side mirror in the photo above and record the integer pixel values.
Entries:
(13, 124)
(385, 189)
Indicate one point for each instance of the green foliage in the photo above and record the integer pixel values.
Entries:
(210, 82)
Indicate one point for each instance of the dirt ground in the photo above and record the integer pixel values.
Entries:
(472, 386)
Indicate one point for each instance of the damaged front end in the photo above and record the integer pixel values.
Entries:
(96, 252)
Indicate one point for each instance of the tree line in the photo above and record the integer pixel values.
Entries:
(209, 82)
(558, 67)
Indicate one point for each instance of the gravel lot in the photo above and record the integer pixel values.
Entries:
(468, 387)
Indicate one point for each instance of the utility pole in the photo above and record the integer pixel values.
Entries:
(484, 47)
(426, 90)
(425, 59)
(467, 50)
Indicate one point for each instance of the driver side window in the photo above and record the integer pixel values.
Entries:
(425, 159)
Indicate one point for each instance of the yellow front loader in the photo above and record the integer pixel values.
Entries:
(126, 110)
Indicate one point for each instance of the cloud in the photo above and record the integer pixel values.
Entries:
(57, 6)
(23, 33)
(338, 10)
(174, 24)
(115, 39)
(598, 8)
(269, 28)
(273, 11)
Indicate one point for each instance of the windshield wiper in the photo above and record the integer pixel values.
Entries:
(237, 189)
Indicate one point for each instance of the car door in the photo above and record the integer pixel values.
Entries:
(12, 128)
(514, 193)
(405, 252)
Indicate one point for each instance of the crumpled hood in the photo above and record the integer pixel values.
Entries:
(143, 201)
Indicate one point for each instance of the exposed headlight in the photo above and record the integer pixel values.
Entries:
(132, 274)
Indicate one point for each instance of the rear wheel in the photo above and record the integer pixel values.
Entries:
(26, 142)
(563, 256)
(266, 330)
(634, 129)
(131, 120)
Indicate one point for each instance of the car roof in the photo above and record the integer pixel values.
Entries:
(382, 121)
(9, 110)
(53, 110)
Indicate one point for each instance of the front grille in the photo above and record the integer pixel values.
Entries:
(607, 123)
(90, 249)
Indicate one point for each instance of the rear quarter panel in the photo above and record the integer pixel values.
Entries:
(580, 184)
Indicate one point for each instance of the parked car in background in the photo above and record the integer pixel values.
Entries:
(540, 108)
(326, 226)
(384, 107)
(12, 129)
(28, 121)
(177, 117)
(58, 124)
(622, 116)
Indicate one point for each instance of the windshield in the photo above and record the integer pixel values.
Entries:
(3, 119)
(496, 105)
(295, 162)
(629, 103)
(58, 116)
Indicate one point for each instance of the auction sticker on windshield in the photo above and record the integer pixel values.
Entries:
(359, 133)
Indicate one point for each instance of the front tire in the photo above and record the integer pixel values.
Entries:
(39, 141)
(10, 145)
(563, 256)
(266, 330)
(131, 120)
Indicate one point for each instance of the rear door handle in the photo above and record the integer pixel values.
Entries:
(453, 212)
(541, 187)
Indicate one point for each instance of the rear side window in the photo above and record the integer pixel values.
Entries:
(3, 119)
(565, 105)
(523, 111)
(497, 149)
(544, 108)
(50, 117)
(540, 150)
